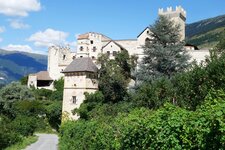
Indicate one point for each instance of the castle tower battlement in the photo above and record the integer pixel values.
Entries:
(178, 15)
(170, 10)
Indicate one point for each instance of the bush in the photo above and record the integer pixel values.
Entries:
(169, 127)
(53, 113)
(29, 108)
(7, 135)
(88, 135)
(24, 125)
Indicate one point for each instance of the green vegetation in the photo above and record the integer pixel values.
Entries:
(24, 143)
(164, 53)
(208, 39)
(205, 33)
(23, 113)
(14, 65)
(182, 110)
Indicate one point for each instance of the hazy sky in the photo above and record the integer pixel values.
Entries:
(33, 25)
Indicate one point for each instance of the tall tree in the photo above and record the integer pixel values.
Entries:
(164, 52)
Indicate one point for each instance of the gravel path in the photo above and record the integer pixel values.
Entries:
(45, 142)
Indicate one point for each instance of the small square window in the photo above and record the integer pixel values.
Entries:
(114, 53)
(93, 57)
(81, 48)
(94, 49)
(92, 42)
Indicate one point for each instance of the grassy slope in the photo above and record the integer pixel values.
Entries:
(208, 39)
(205, 33)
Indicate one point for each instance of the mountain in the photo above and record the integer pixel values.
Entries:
(205, 33)
(14, 65)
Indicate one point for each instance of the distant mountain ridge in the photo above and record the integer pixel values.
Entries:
(205, 33)
(14, 65)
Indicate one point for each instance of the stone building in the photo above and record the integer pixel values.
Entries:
(62, 62)
(80, 77)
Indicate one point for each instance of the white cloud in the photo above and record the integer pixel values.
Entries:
(2, 29)
(48, 38)
(22, 48)
(18, 24)
(19, 7)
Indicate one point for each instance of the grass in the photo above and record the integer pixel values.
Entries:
(208, 39)
(25, 142)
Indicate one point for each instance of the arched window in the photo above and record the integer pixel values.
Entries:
(81, 48)
(147, 41)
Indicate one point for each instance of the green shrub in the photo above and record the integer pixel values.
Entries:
(24, 125)
(7, 135)
(53, 114)
(169, 127)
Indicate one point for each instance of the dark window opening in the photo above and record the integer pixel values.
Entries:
(74, 99)
(147, 41)
(108, 53)
(64, 57)
(81, 48)
(81, 56)
(147, 32)
(114, 53)
(74, 57)
(94, 49)
(92, 42)
(42, 83)
(93, 57)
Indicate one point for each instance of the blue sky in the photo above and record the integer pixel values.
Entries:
(33, 25)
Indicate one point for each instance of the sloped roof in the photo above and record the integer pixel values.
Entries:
(86, 36)
(43, 75)
(114, 43)
(143, 31)
(80, 65)
(83, 36)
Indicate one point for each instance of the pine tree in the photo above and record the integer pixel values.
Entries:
(164, 52)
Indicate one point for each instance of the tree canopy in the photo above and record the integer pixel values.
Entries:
(164, 52)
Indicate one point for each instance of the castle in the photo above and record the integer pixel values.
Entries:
(79, 69)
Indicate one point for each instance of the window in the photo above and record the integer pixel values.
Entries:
(64, 57)
(108, 53)
(114, 53)
(94, 49)
(92, 42)
(74, 99)
(147, 41)
(147, 32)
(81, 48)
(93, 57)
(74, 57)
(81, 56)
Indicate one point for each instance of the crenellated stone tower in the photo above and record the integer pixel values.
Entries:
(58, 59)
(178, 16)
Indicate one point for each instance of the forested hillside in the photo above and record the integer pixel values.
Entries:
(14, 65)
(205, 33)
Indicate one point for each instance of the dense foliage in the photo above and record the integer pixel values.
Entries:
(114, 76)
(25, 111)
(168, 127)
(164, 53)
